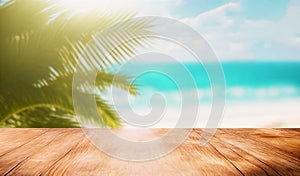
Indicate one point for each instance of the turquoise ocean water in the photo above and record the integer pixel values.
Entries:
(245, 81)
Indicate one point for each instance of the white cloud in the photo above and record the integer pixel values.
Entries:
(229, 33)
(235, 37)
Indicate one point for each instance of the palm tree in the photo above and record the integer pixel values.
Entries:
(40, 45)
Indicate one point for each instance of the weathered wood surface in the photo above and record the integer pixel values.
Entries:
(230, 152)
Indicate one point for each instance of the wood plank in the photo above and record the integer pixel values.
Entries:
(230, 152)
(15, 140)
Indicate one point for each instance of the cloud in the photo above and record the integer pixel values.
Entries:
(233, 36)
(229, 29)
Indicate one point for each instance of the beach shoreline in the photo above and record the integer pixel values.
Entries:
(276, 114)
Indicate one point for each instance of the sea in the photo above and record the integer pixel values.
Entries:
(257, 93)
(244, 81)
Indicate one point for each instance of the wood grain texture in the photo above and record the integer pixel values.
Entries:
(230, 152)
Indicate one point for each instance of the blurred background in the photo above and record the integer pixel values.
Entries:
(257, 43)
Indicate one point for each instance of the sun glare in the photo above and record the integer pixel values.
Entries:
(83, 5)
(112, 5)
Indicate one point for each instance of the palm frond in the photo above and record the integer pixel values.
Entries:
(43, 116)
(41, 45)
(122, 81)
(108, 114)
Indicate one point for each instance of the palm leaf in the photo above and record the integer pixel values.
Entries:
(39, 57)
(42, 116)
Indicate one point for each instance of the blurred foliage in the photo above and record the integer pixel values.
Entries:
(41, 43)
(42, 116)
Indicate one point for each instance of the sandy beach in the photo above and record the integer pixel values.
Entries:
(277, 114)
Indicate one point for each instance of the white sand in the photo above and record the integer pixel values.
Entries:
(284, 113)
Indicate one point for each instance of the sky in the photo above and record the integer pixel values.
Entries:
(236, 30)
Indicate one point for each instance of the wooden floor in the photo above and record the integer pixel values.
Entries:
(230, 152)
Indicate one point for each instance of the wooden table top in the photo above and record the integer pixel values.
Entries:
(230, 152)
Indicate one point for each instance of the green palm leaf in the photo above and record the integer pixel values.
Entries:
(41, 116)
(39, 57)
